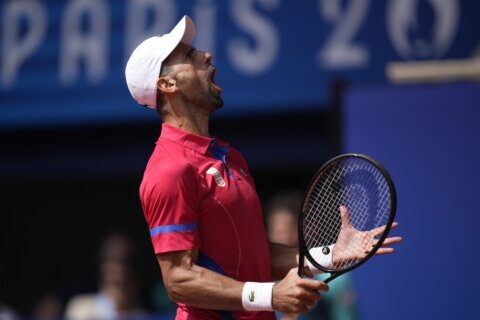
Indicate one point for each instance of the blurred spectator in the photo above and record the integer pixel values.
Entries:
(6, 313)
(116, 246)
(281, 217)
(340, 302)
(49, 307)
(119, 287)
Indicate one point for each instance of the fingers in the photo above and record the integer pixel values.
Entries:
(392, 240)
(378, 231)
(308, 297)
(306, 284)
(384, 251)
(307, 293)
(307, 272)
(345, 215)
(313, 285)
(388, 242)
(295, 295)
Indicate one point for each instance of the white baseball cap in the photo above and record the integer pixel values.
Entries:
(143, 67)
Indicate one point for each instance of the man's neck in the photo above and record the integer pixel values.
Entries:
(187, 117)
(196, 123)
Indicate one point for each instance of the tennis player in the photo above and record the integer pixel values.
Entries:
(199, 198)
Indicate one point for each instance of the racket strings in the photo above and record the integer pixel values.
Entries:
(362, 188)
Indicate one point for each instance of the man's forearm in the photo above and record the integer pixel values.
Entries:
(200, 287)
(188, 283)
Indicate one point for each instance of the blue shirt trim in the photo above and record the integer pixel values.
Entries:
(208, 263)
(219, 153)
(173, 228)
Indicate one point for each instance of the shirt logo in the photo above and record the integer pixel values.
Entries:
(217, 176)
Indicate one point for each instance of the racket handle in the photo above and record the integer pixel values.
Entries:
(292, 316)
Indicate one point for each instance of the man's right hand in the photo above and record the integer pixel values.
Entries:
(296, 295)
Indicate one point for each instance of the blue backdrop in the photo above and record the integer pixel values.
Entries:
(62, 62)
(427, 137)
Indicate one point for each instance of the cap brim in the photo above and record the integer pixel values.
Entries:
(183, 32)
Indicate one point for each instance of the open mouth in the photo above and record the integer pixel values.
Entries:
(212, 79)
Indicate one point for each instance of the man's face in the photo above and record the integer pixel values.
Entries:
(195, 76)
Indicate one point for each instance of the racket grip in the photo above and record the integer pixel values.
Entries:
(292, 316)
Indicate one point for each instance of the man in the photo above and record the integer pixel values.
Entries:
(199, 198)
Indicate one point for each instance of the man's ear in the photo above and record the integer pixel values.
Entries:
(167, 85)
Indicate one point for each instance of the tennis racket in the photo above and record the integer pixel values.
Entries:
(347, 212)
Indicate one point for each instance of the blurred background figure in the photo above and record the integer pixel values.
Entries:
(48, 307)
(119, 286)
(6, 313)
(282, 214)
(340, 302)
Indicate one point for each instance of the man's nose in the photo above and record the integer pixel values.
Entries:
(208, 57)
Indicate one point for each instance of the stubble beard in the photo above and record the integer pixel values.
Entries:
(207, 99)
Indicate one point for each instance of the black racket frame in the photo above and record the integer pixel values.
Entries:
(303, 250)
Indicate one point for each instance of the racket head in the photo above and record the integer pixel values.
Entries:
(361, 184)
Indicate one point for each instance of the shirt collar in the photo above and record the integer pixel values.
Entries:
(189, 140)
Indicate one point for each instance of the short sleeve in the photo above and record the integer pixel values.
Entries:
(169, 199)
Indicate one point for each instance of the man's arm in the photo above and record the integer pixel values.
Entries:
(188, 283)
(196, 286)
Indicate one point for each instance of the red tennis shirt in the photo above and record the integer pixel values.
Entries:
(197, 193)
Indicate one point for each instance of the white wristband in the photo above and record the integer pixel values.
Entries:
(257, 296)
(322, 255)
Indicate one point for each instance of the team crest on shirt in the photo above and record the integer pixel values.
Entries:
(217, 176)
